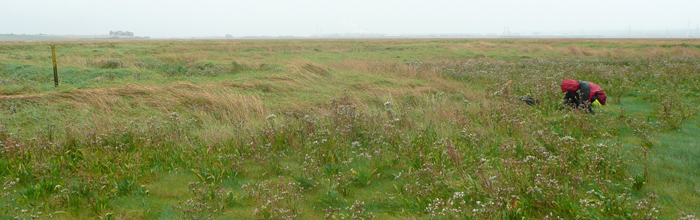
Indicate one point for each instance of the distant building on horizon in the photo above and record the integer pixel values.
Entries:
(121, 33)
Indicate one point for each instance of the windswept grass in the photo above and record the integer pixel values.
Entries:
(355, 129)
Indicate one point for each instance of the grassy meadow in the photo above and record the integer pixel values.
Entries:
(348, 129)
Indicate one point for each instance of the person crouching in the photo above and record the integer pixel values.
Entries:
(581, 94)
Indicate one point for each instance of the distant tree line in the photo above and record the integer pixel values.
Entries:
(121, 33)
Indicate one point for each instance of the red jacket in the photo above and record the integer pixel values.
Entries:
(573, 85)
(598, 93)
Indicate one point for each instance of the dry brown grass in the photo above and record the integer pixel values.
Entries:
(27, 96)
(305, 70)
(179, 57)
(655, 51)
(619, 53)
(232, 46)
(457, 47)
(362, 65)
(467, 45)
(682, 51)
(577, 51)
(74, 61)
(393, 69)
(546, 47)
(300, 73)
(98, 60)
(530, 48)
(214, 101)
(525, 50)
(483, 44)
(648, 52)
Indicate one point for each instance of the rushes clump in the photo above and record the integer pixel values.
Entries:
(353, 212)
(275, 200)
(111, 64)
(209, 201)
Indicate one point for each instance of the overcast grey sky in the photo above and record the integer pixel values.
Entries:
(180, 18)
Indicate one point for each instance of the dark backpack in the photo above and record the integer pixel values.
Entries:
(530, 101)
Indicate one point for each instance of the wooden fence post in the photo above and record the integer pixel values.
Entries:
(55, 68)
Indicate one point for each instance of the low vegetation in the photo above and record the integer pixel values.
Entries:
(348, 129)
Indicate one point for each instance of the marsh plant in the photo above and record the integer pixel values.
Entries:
(343, 138)
(208, 201)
